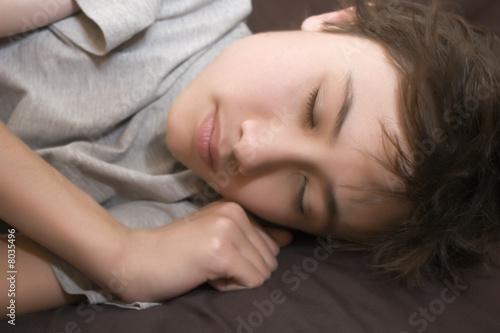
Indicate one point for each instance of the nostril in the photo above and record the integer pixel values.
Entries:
(248, 148)
(245, 154)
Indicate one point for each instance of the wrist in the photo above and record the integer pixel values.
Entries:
(120, 267)
(126, 273)
(104, 261)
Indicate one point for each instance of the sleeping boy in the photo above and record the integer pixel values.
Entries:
(376, 125)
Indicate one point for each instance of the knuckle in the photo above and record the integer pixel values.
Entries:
(219, 249)
(218, 244)
(225, 226)
(233, 210)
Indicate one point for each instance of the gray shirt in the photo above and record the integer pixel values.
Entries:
(91, 93)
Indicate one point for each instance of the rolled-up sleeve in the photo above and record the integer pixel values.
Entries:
(102, 26)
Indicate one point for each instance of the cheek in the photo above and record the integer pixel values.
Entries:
(261, 87)
(265, 197)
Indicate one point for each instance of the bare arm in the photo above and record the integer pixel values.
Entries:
(40, 202)
(36, 285)
(18, 16)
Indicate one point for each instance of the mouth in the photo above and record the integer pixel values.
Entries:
(207, 140)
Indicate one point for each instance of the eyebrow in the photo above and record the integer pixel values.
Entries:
(346, 106)
(341, 117)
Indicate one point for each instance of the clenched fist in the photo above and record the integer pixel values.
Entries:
(219, 244)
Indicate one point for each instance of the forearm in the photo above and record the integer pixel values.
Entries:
(40, 202)
(18, 16)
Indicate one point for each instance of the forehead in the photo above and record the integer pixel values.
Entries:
(366, 180)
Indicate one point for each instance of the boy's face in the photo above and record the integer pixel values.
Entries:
(287, 123)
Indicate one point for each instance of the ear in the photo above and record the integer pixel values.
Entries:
(315, 23)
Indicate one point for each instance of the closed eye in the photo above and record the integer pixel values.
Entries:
(311, 103)
(299, 199)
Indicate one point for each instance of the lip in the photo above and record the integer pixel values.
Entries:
(215, 144)
(207, 140)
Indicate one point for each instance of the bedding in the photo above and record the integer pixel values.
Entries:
(317, 287)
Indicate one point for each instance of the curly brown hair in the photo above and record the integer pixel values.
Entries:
(449, 100)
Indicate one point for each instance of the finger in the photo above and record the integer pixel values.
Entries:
(270, 241)
(280, 236)
(257, 251)
(263, 243)
(241, 275)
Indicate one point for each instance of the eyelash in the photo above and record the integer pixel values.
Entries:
(310, 107)
(299, 200)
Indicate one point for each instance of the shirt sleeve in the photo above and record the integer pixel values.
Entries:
(102, 26)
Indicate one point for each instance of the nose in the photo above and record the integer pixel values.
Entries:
(263, 147)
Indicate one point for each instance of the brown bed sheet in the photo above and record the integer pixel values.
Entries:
(316, 289)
